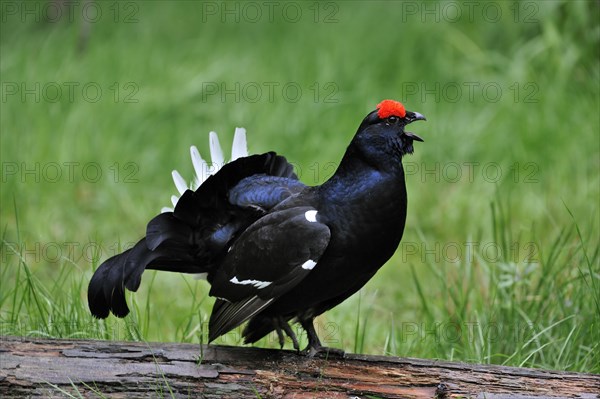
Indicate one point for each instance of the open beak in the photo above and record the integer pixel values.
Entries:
(413, 136)
(411, 117)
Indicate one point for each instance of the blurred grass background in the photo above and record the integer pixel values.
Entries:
(499, 261)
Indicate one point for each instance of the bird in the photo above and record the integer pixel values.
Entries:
(274, 250)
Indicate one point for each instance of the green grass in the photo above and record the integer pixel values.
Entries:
(499, 262)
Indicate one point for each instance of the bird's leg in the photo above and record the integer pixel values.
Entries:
(280, 336)
(280, 325)
(313, 339)
(290, 333)
(314, 344)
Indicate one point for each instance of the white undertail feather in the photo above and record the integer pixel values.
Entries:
(200, 167)
(239, 148)
(202, 171)
(216, 153)
(179, 182)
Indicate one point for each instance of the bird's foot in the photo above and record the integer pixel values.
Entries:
(314, 347)
(282, 326)
(323, 352)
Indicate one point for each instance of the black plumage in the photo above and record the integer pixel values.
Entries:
(274, 250)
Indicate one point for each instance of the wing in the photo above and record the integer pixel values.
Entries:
(270, 258)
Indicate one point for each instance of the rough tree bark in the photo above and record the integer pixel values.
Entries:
(57, 368)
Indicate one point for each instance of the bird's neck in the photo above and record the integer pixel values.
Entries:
(357, 165)
(359, 179)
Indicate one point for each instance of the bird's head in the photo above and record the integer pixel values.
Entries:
(382, 133)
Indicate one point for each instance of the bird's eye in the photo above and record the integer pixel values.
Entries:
(392, 119)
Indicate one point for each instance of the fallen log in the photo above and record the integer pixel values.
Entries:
(31, 367)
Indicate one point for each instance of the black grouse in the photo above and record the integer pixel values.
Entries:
(274, 250)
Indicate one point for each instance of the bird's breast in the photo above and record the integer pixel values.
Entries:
(367, 216)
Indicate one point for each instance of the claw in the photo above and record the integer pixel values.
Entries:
(282, 325)
(324, 352)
